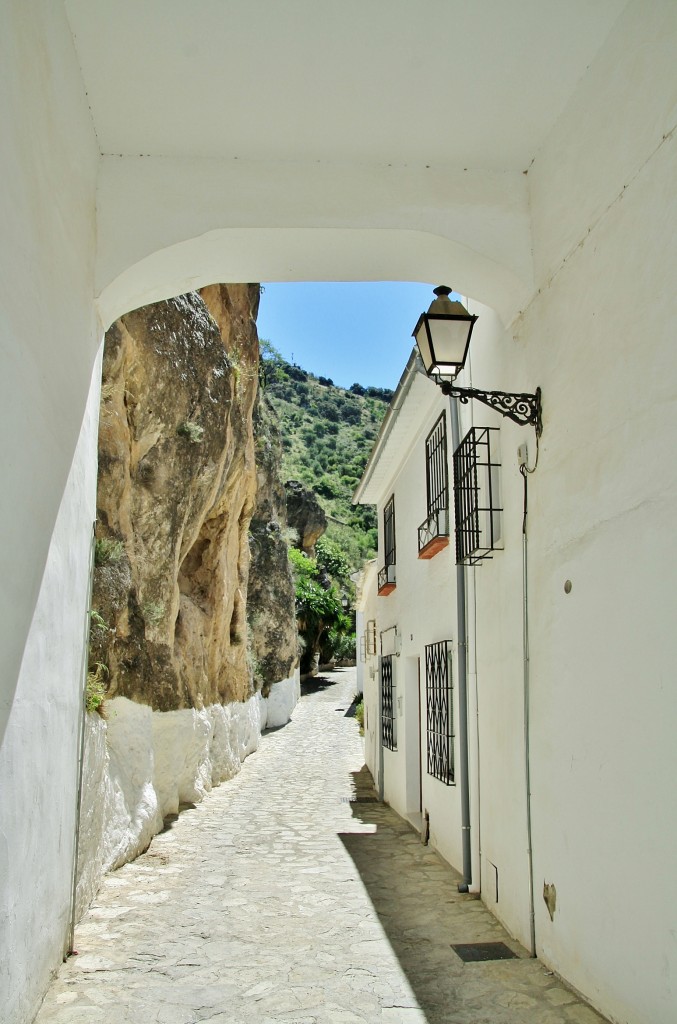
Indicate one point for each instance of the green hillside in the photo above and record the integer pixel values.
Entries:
(327, 435)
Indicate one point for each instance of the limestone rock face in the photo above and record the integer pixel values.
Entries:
(177, 484)
(271, 609)
(306, 515)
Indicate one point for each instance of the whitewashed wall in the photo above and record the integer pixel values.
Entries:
(367, 682)
(48, 341)
(141, 765)
(423, 608)
(600, 338)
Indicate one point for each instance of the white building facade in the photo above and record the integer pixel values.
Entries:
(565, 730)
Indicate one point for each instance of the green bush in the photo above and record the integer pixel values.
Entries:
(95, 692)
(332, 559)
(193, 432)
(107, 550)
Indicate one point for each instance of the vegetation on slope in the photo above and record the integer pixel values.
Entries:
(327, 435)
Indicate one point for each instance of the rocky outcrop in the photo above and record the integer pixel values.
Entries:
(169, 638)
(271, 598)
(176, 490)
(305, 515)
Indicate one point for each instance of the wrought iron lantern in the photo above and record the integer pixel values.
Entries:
(443, 335)
(443, 338)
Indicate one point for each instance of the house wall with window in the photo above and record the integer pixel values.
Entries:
(495, 650)
(423, 606)
(598, 338)
(602, 550)
(602, 557)
(420, 611)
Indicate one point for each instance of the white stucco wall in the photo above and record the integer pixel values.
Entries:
(367, 669)
(423, 607)
(604, 506)
(48, 341)
(598, 338)
(39, 752)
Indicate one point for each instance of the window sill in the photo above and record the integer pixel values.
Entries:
(433, 547)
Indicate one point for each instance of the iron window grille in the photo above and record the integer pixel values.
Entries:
(477, 496)
(433, 533)
(371, 636)
(386, 576)
(440, 712)
(388, 722)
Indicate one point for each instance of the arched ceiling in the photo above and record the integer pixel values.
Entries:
(467, 84)
(310, 139)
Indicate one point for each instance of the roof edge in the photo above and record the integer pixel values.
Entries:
(414, 366)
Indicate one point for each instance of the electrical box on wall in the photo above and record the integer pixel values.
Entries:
(391, 641)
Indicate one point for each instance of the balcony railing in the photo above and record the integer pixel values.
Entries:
(433, 534)
(386, 580)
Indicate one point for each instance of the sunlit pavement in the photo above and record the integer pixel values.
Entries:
(282, 898)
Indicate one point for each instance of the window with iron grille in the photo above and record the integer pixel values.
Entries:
(433, 533)
(371, 636)
(477, 505)
(437, 480)
(386, 575)
(388, 722)
(389, 532)
(440, 716)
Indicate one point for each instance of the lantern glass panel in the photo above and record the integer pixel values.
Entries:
(423, 342)
(449, 343)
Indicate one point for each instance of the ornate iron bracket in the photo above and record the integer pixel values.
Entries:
(524, 409)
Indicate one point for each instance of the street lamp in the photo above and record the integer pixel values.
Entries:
(443, 338)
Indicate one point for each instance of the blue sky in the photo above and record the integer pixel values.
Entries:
(353, 333)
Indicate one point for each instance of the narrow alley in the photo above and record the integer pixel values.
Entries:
(290, 895)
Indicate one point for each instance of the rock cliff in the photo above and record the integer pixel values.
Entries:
(305, 515)
(177, 485)
(271, 595)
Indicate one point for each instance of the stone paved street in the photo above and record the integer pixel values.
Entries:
(280, 900)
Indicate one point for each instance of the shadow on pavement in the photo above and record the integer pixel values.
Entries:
(415, 895)
(316, 684)
(350, 713)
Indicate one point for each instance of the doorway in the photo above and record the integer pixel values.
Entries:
(412, 731)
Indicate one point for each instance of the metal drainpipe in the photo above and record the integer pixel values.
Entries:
(81, 752)
(527, 736)
(462, 645)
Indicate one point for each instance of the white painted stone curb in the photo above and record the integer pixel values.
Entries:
(141, 765)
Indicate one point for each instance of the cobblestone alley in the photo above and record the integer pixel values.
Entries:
(280, 900)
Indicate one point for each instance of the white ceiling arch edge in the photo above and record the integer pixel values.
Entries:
(311, 254)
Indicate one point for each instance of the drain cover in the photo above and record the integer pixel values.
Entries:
(473, 952)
